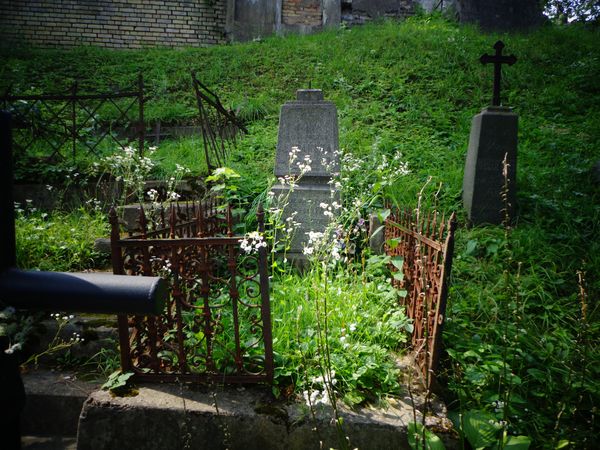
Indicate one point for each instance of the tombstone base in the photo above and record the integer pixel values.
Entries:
(493, 136)
(304, 205)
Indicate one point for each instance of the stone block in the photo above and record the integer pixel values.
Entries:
(310, 124)
(493, 135)
(303, 204)
(332, 13)
(166, 416)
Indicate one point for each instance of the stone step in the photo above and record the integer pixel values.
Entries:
(53, 403)
(49, 443)
(174, 417)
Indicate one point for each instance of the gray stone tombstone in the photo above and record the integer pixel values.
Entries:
(310, 125)
(493, 135)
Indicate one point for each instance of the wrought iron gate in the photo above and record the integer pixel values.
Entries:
(426, 245)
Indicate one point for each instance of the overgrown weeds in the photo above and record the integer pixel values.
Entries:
(411, 89)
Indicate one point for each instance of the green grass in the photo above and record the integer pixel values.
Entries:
(413, 87)
(59, 241)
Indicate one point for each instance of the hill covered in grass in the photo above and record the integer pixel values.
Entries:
(523, 308)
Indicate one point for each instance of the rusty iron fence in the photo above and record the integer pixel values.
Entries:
(216, 325)
(62, 126)
(426, 246)
(219, 126)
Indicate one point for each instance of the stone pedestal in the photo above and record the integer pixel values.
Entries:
(309, 124)
(493, 135)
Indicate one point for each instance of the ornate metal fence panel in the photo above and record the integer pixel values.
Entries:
(426, 245)
(216, 325)
(63, 126)
(219, 125)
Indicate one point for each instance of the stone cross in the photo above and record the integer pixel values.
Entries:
(497, 59)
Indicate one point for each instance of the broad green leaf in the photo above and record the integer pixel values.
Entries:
(517, 443)
(398, 262)
(471, 247)
(383, 214)
(563, 443)
(480, 428)
(378, 230)
(415, 433)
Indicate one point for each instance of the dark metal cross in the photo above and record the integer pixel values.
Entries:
(498, 59)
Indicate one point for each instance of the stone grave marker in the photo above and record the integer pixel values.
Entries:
(308, 129)
(493, 137)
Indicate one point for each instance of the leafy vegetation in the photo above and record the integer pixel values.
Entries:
(59, 241)
(522, 331)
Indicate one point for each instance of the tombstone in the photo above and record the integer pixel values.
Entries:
(493, 138)
(309, 124)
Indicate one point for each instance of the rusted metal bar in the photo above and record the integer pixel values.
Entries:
(418, 236)
(13, 98)
(443, 292)
(426, 267)
(73, 101)
(221, 240)
(208, 301)
(265, 309)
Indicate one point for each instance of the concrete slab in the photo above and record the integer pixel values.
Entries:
(48, 443)
(53, 403)
(173, 417)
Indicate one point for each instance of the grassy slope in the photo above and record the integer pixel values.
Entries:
(414, 87)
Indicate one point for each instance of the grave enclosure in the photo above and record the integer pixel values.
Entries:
(185, 240)
(193, 239)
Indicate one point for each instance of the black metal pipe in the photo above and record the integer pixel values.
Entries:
(7, 214)
(83, 292)
(56, 291)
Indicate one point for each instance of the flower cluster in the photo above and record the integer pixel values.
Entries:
(252, 242)
(62, 318)
(304, 165)
(329, 210)
(13, 348)
(130, 168)
(162, 267)
(315, 239)
(320, 396)
(76, 339)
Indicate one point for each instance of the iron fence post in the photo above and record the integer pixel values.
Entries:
(265, 299)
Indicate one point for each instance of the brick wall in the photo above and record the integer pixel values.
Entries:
(112, 23)
(301, 12)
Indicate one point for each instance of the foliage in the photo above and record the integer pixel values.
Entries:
(119, 384)
(563, 11)
(411, 88)
(416, 431)
(59, 241)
